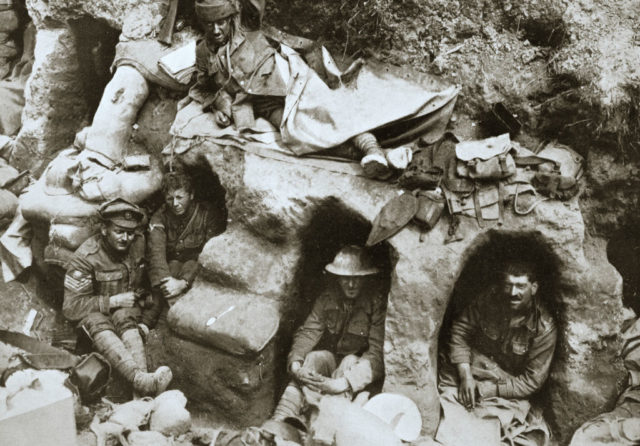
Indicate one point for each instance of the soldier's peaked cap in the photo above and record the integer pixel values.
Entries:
(214, 10)
(121, 213)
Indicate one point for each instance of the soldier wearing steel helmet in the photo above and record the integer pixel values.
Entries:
(338, 349)
(104, 294)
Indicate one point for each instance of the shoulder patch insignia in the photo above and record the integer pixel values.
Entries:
(153, 226)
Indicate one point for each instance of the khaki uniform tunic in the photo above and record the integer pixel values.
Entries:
(523, 349)
(96, 273)
(343, 329)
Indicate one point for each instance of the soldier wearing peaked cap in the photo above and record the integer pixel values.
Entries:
(338, 349)
(104, 289)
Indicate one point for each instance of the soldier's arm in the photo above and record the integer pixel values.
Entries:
(79, 299)
(152, 302)
(462, 329)
(200, 91)
(216, 221)
(370, 367)
(309, 334)
(151, 313)
(537, 368)
(204, 91)
(157, 250)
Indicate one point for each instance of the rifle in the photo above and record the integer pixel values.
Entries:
(166, 31)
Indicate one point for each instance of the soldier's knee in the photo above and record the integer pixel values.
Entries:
(125, 319)
(348, 361)
(94, 323)
(321, 361)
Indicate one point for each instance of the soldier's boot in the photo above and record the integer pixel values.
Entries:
(134, 343)
(373, 162)
(153, 383)
(113, 349)
(289, 407)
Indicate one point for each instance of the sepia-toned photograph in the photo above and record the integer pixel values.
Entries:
(319, 223)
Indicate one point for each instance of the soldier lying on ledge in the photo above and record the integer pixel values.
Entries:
(238, 78)
(500, 353)
(338, 350)
(104, 293)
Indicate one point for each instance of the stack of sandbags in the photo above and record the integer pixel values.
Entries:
(69, 192)
(12, 182)
(165, 417)
(9, 24)
(32, 402)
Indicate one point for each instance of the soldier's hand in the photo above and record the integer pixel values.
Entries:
(307, 376)
(467, 392)
(172, 287)
(144, 329)
(122, 300)
(221, 119)
(330, 386)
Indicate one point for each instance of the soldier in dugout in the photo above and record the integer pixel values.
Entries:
(500, 351)
(105, 294)
(338, 349)
(177, 233)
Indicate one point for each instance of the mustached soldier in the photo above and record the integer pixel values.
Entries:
(104, 294)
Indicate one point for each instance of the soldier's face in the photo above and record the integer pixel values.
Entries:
(119, 239)
(351, 285)
(217, 32)
(519, 291)
(178, 201)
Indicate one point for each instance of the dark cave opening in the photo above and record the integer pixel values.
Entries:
(96, 45)
(332, 227)
(482, 270)
(623, 252)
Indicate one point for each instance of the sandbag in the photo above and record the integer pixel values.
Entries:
(169, 416)
(8, 21)
(57, 255)
(8, 173)
(174, 397)
(337, 421)
(235, 322)
(15, 247)
(8, 50)
(112, 123)
(97, 183)
(170, 419)
(147, 438)
(8, 206)
(132, 414)
(41, 203)
(69, 236)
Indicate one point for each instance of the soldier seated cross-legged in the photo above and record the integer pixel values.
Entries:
(338, 349)
(105, 294)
